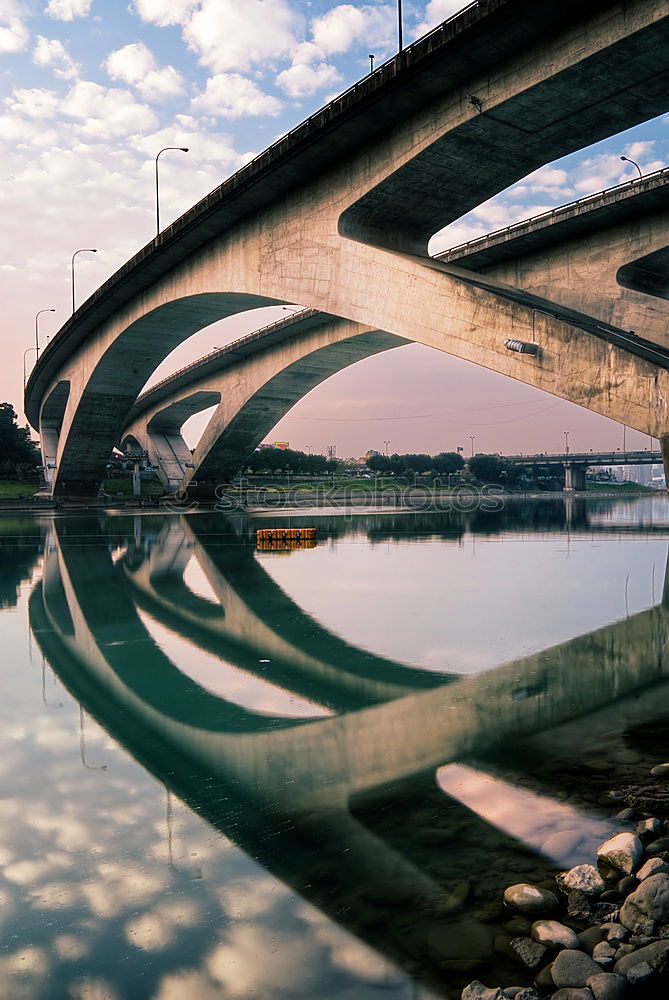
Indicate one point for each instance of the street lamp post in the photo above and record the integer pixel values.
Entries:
(181, 149)
(39, 313)
(83, 250)
(634, 164)
(472, 438)
(385, 445)
(371, 62)
(566, 442)
(399, 26)
(25, 354)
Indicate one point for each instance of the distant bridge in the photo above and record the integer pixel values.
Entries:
(576, 464)
(590, 458)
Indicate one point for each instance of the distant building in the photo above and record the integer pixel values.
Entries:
(282, 445)
(370, 454)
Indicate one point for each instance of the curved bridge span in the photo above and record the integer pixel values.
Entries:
(336, 217)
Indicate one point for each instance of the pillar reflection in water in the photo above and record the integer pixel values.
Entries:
(345, 809)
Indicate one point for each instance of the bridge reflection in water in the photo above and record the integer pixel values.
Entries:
(336, 794)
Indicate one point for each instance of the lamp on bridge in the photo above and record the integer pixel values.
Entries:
(634, 164)
(180, 149)
(566, 442)
(37, 314)
(83, 250)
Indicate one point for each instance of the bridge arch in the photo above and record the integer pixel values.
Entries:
(95, 415)
(253, 393)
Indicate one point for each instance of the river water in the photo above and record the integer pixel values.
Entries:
(234, 769)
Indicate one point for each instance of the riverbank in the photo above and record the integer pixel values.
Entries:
(601, 930)
(301, 496)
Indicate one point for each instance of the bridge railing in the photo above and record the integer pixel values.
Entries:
(248, 338)
(636, 181)
(350, 91)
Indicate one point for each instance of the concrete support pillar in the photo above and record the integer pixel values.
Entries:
(664, 445)
(136, 482)
(574, 477)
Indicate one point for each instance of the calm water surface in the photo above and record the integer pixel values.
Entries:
(233, 772)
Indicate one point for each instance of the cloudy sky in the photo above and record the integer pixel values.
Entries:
(90, 90)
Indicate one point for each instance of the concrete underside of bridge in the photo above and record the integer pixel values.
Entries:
(346, 234)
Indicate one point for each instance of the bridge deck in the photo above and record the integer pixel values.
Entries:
(616, 205)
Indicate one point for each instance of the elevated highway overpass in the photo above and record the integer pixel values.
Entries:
(336, 217)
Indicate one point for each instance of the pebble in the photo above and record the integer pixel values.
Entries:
(553, 934)
(573, 968)
(660, 771)
(477, 991)
(654, 955)
(622, 852)
(639, 974)
(588, 938)
(603, 954)
(584, 878)
(607, 986)
(529, 898)
(626, 815)
(578, 906)
(530, 953)
(562, 845)
(615, 933)
(658, 846)
(654, 866)
(651, 827)
(544, 980)
(627, 885)
(646, 905)
(570, 993)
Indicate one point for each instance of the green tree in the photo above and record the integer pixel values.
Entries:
(448, 462)
(18, 454)
(487, 468)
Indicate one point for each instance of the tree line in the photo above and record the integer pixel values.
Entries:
(19, 455)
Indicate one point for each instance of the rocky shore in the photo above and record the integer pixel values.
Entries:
(603, 933)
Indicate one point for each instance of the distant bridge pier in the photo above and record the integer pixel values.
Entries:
(664, 446)
(574, 476)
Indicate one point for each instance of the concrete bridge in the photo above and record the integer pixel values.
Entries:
(551, 252)
(336, 217)
(291, 791)
(576, 464)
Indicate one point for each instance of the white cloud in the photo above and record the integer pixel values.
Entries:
(230, 35)
(106, 112)
(341, 27)
(164, 12)
(67, 10)
(438, 11)
(301, 79)
(135, 64)
(13, 32)
(34, 103)
(230, 95)
(51, 52)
